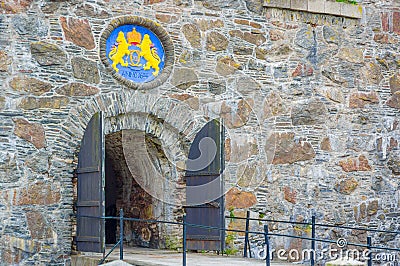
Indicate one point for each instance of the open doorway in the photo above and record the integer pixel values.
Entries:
(129, 170)
(111, 192)
(122, 191)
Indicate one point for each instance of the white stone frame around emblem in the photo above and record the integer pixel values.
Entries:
(162, 35)
(329, 7)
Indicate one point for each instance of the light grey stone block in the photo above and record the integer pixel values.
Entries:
(333, 7)
(352, 11)
(316, 6)
(299, 5)
(277, 3)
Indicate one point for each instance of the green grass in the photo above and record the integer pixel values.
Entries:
(230, 237)
(260, 216)
(230, 251)
(232, 214)
(172, 243)
(347, 1)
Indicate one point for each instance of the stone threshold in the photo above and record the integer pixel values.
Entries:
(330, 7)
(161, 257)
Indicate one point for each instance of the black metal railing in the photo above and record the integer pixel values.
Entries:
(265, 233)
(313, 239)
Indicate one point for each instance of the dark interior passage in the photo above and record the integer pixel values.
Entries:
(111, 191)
(123, 192)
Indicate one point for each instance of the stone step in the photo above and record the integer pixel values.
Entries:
(118, 263)
(94, 261)
(78, 260)
(143, 257)
(346, 262)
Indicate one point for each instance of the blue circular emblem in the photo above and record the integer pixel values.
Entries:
(135, 53)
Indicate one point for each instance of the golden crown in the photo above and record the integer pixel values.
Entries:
(134, 36)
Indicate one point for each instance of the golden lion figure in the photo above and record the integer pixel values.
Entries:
(117, 53)
(150, 55)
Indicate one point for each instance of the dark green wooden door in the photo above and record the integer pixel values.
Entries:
(90, 231)
(204, 188)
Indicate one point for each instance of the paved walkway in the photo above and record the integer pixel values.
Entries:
(156, 257)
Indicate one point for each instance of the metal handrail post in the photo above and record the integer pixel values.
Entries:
(267, 257)
(184, 241)
(313, 252)
(121, 234)
(369, 244)
(108, 254)
(246, 236)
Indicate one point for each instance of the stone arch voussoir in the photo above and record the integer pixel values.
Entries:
(170, 120)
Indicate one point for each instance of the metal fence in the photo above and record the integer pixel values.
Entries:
(266, 233)
(313, 238)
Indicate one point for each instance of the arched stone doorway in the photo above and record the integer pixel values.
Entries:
(165, 140)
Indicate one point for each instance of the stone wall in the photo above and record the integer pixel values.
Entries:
(310, 101)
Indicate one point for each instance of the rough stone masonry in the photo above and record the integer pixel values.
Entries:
(311, 102)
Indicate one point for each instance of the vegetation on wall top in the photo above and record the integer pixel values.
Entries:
(348, 1)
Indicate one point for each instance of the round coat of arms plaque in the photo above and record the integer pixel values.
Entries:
(137, 51)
